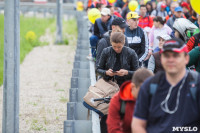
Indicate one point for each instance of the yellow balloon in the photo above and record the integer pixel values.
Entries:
(79, 6)
(132, 5)
(111, 1)
(195, 5)
(93, 14)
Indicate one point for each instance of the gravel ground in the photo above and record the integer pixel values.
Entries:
(44, 83)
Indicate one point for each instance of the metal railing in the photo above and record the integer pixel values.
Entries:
(79, 119)
(25, 7)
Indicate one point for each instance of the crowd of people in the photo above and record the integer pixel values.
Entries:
(153, 54)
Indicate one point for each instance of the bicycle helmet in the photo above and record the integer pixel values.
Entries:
(183, 25)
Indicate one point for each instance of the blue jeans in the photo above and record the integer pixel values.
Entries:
(93, 43)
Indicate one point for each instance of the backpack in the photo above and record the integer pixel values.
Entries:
(193, 83)
(154, 83)
(196, 39)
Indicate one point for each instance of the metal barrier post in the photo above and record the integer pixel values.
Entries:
(11, 67)
(59, 22)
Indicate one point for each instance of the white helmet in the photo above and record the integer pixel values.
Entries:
(182, 25)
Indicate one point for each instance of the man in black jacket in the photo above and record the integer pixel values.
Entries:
(118, 25)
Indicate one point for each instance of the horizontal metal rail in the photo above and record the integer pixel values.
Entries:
(31, 5)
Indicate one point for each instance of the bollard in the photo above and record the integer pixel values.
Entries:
(82, 52)
(82, 65)
(80, 82)
(77, 94)
(78, 126)
(81, 73)
(79, 58)
(76, 111)
(68, 127)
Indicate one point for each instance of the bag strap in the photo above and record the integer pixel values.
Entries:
(156, 12)
(122, 109)
(196, 39)
(193, 83)
(154, 83)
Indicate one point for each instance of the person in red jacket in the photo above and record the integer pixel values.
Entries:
(144, 20)
(117, 122)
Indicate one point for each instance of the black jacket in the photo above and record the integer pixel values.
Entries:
(138, 41)
(128, 59)
(104, 43)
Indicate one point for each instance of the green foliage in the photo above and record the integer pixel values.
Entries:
(37, 126)
(70, 27)
(36, 25)
(66, 42)
(63, 99)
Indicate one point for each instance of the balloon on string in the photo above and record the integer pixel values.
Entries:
(93, 14)
(111, 1)
(195, 5)
(132, 5)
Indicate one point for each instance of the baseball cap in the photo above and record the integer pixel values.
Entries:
(163, 5)
(164, 36)
(178, 9)
(175, 45)
(105, 11)
(120, 22)
(131, 15)
(185, 4)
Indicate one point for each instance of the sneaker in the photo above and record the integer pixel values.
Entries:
(89, 57)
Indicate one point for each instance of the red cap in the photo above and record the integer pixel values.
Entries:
(175, 45)
(163, 5)
(185, 4)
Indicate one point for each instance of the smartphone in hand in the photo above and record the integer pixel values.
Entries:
(114, 71)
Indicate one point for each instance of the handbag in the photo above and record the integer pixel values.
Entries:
(101, 89)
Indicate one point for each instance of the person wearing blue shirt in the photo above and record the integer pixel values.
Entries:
(166, 102)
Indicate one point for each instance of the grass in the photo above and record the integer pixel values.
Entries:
(63, 99)
(37, 126)
(37, 25)
(70, 28)
(60, 90)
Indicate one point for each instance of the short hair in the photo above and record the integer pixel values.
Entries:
(140, 76)
(117, 37)
(142, 5)
(162, 20)
(98, 5)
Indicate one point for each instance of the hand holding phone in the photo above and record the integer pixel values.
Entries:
(114, 71)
